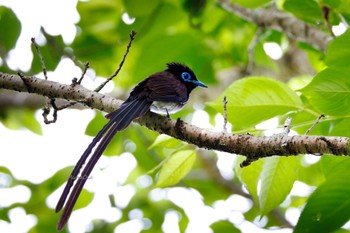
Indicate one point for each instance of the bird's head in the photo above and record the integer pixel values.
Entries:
(185, 74)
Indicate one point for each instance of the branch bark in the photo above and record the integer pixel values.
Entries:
(280, 21)
(250, 146)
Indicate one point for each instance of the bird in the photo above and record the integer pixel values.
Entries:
(164, 92)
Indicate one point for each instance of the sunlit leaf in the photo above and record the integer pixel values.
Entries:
(30, 122)
(329, 92)
(277, 179)
(252, 3)
(255, 99)
(22, 118)
(250, 175)
(312, 175)
(327, 208)
(306, 10)
(137, 8)
(165, 141)
(96, 124)
(51, 52)
(84, 199)
(338, 52)
(10, 28)
(224, 227)
(334, 167)
(176, 167)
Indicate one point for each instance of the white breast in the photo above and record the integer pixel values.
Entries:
(163, 107)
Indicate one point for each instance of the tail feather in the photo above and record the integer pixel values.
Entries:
(119, 120)
(74, 175)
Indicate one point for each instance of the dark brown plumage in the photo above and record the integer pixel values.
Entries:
(163, 92)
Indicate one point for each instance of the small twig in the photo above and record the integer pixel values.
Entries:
(251, 48)
(287, 125)
(70, 104)
(316, 122)
(248, 160)
(325, 12)
(225, 113)
(48, 102)
(112, 200)
(40, 57)
(86, 67)
(132, 37)
(25, 81)
(47, 109)
(75, 81)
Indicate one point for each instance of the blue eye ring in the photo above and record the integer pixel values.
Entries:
(186, 76)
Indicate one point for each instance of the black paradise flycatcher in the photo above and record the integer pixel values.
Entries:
(163, 92)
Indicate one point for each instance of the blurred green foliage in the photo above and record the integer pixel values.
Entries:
(218, 46)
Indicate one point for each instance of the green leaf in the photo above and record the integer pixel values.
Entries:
(335, 167)
(84, 199)
(137, 8)
(332, 3)
(255, 99)
(96, 124)
(97, 52)
(338, 52)
(303, 120)
(188, 49)
(176, 167)
(22, 118)
(261, 58)
(250, 175)
(309, 10)
(327, 208)
(251, 3)
(30, 122)
(224, 226)
(165, 141)
(277, 179)
(10, 28)
(99, 43)
(329, 92)
(344, 5)
(312, 175)
(51, 52)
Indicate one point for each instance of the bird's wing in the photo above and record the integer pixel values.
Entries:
(162, 86)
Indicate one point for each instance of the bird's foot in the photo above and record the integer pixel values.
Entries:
(167, 114)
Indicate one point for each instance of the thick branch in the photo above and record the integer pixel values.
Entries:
(250, 146)
(10, 99)
(280, 21)
(52, 89)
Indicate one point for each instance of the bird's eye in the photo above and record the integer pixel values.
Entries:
(185, 76)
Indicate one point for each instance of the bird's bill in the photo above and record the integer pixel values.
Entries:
(200, 84)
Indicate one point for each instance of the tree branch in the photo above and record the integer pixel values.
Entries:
(250, 146)
(280, 21)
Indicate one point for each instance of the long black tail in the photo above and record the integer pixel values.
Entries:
(119, 120)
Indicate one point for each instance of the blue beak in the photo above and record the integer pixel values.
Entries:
(200, 84)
